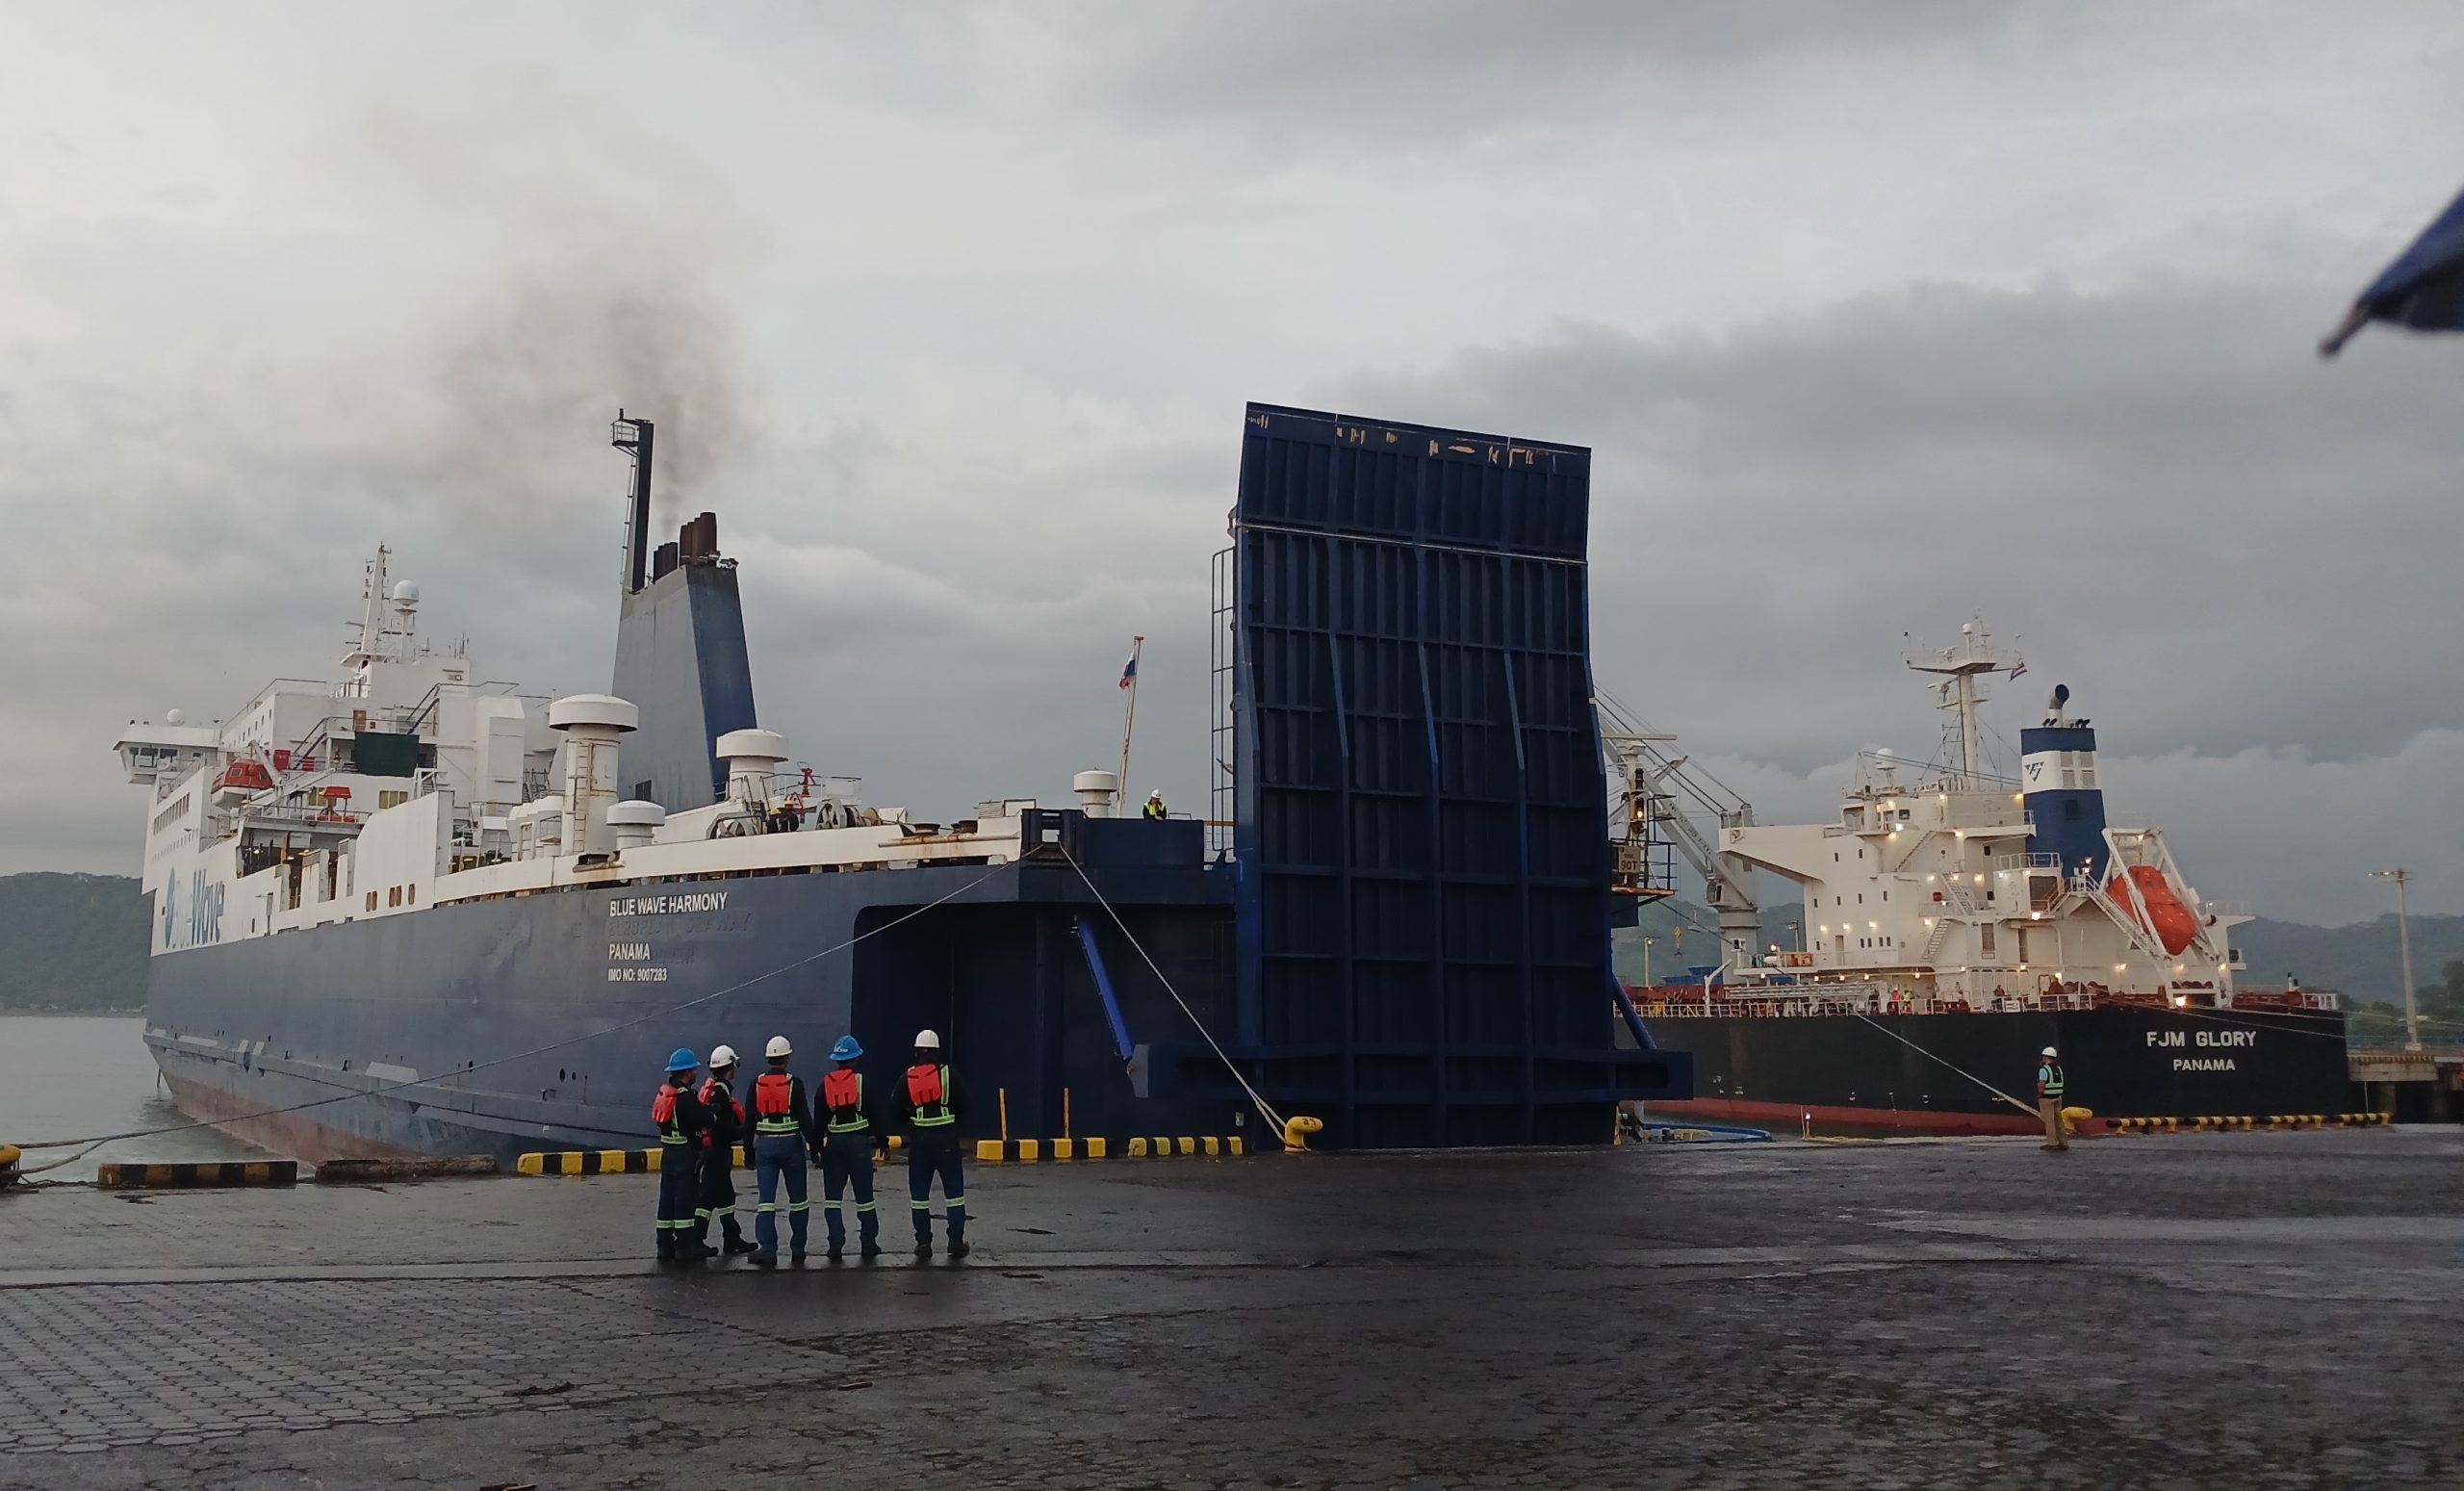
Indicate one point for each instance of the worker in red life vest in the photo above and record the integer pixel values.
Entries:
(847, 1150)
(717, 1097)
(681, 1123)
(782, 1132)
(929, 1103)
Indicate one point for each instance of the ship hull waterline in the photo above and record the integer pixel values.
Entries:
(1955, 1073)
(543, 1022)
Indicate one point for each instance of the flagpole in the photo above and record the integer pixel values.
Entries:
(1129, 721)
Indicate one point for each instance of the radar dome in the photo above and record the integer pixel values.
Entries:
(176, 717)
(405, 593)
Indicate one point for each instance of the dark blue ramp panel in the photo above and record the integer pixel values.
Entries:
(1420, 811)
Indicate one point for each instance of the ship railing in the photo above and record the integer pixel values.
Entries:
(315, 814)
(2028, 862)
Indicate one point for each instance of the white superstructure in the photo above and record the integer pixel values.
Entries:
(1943, 884)
(411, 783)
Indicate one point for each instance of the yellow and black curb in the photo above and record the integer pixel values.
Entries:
(186, 1176)
(2243, 1122)
(995, 1151)
(623, 1161)
(589, 1162)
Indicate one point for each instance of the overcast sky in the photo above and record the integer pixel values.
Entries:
(1877, 318)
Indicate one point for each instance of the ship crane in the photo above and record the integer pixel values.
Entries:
(1658, 796)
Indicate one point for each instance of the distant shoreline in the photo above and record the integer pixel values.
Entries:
(6, 1011)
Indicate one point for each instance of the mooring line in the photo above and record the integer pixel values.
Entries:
(2027, 1108)
(1265, 1108)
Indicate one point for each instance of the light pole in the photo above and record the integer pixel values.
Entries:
(1647, 962)
(2404, 944)
(1797, 929)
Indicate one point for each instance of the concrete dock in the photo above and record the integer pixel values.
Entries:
(2245, 1310)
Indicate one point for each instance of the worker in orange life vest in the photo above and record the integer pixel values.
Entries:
(847, 1150)
(782, 1132)
(726, 1130)
(930, 1101)
(681, 1123)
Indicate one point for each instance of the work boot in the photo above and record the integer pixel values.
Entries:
(959, 1248)
(695, 1252)
(797, 1259)
(923, 1248)
(833, 1254)
(872, 1249)
(762, 1260)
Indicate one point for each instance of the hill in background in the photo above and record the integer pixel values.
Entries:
(79, 943)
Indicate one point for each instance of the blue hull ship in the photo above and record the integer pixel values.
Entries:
(409, 911)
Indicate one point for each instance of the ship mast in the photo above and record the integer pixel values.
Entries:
(1962, 668)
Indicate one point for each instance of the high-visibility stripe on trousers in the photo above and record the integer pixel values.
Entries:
(847, 1164)
(777, 1159)
(935, 1155)
(679, 1186)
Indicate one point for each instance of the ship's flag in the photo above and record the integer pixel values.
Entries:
(2422, 290)
(1129, 673)
(2021, 668)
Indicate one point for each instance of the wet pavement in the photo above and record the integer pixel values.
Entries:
(2253, 1310)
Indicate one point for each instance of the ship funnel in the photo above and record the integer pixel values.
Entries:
(1098, 792)
(751, 758)
(634, 823)
(2066, 808)
(592, 725)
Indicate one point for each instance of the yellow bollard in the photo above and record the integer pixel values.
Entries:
(1065, 1112)
(1004, 1094)
(1295, 1130)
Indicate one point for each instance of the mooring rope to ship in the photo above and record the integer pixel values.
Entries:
(92, 1143)
(1266, 1109)
(2027, 1108)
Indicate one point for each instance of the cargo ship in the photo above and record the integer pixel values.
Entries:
(1957, 922)
(412, 910)
(415, 910)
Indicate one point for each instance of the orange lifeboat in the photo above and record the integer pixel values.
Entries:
(2172, 921)
(244, 776)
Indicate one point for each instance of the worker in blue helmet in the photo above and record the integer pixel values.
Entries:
(683, 1124)
(847, 1150)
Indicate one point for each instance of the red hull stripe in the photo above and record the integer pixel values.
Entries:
(1787, 1117)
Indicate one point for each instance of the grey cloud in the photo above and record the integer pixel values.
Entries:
(2212, 539)
(1418, 76)
(950, 314)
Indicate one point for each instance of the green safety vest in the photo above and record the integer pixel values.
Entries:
(2050, 1074)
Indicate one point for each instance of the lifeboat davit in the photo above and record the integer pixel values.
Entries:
(2167, 916)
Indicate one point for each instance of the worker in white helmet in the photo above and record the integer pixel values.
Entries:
(1156, 811)
(783, 1135)
(2049, 1087)
(719, 1143)
(930, 1102)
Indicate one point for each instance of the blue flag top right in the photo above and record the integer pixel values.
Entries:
(2422, 290)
